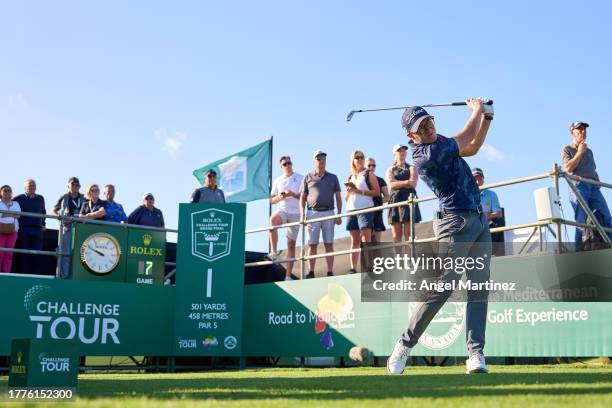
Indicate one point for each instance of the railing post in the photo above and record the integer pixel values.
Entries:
(303, 247)
(59, 252)
(555, 177)
(587, 210)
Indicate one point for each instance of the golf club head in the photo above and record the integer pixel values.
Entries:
(350, 115)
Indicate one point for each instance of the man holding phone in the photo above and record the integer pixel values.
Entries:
(285, 194)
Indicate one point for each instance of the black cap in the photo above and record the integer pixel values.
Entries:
(73, 180)
(210, 171)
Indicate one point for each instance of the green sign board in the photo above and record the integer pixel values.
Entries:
(146, 254)
(328, 318)
(43, 363)
(98, 252)
(209, 280)
(114, 318)
(116, 254)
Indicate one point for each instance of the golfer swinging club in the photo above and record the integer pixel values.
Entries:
(459, 224)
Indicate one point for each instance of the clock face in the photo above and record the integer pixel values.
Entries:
(100, 253)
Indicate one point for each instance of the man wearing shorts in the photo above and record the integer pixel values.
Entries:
(319, 189)
(461, 227)
(285, 194)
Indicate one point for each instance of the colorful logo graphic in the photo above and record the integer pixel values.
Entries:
(210, 341)
(333, 311)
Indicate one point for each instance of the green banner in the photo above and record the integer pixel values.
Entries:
(243, 176)
(324, 317)
(98, 252)
(44, 363)
(105, 320)
(210, 280)
(146, 255)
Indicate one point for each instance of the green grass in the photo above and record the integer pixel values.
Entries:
(582, 385)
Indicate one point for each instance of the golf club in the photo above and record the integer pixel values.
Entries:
(431, 105)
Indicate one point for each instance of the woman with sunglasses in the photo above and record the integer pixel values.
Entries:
(402, 180)
(361, 187)
(93, 207)
(379, 224)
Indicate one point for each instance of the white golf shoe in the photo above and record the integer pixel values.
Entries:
(476, 364)
(397, 360)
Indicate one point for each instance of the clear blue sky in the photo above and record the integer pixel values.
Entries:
(141, 93)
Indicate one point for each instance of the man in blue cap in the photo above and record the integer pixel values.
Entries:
(460, 224)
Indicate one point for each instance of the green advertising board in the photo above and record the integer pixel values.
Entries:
(98, 252)
(115, 318)
(146, 255)
(118, 254)
(44, 363)
(210, 280)
(326, 317)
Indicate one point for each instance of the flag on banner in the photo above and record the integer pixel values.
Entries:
(243, 176)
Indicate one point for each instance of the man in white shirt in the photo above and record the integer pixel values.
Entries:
(285, 194)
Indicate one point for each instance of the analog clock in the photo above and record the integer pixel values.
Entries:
(100, 253)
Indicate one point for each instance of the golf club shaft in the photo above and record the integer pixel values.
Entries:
(431, 105)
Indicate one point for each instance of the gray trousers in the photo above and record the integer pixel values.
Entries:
(63, 270)
(460, 235)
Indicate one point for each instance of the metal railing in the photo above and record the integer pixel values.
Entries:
(64, 220)
(555, 175)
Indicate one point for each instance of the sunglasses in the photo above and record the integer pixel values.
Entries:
(288, 163)
(94, 190)
(211, 175)
(359, 157)
(321, 158)
(371, 165)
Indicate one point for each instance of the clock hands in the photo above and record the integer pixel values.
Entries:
(96, 251)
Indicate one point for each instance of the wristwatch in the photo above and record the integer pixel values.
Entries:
(488, 117)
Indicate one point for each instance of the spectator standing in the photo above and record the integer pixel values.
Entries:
(93, 208)
(9, 226)
(31, 229)
(319, 189)
(402, 180)
(114, 210)
(492, 209)
(285, 194)
(578, 160)
(361, 187)
(68, 205)
(379, 224)
(210, 193)
(147, 214)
